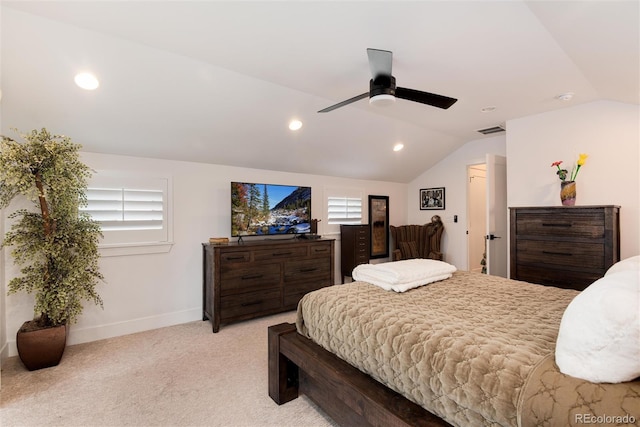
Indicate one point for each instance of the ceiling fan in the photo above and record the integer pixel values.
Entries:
(382, 86)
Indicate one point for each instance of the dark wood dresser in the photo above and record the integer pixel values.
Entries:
(246, 280)
(566, 247)
(355, 243)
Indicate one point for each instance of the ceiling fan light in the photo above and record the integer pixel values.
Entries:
(87, 81)
(382, 99)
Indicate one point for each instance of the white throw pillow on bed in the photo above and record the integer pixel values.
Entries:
(599, 336)
(632, 263)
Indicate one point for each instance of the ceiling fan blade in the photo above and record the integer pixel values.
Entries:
(379, 62)
(343, 103)
(432, 99)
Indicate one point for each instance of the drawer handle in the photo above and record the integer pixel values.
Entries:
(231, 258)
(556, 253)
(252, 276)
(281, 253)
(552, 224)
(308, 270)
(246, 304)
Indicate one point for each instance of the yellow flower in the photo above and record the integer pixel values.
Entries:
(582, 159)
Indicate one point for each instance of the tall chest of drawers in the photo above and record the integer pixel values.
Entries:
(247, 280)
(355, 243)
(566, 247)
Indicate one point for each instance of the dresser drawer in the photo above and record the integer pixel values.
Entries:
(361, 255)
(587, 255)
(558, 277)
(320, 250)
(248, 303)
(280, 253)
(232, 257)
(307, 269)
(250, 278)
(587, 224)
(361, 233)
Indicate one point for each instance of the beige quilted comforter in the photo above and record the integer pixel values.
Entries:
(463, 348)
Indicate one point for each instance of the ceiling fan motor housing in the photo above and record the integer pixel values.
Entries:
(382, 85)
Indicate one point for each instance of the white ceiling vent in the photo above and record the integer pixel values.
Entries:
(494, 129)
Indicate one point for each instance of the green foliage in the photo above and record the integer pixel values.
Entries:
(57, 246)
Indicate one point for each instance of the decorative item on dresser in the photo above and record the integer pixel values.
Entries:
(566, 247)
(568, 186)
(354, 247)
(252, 279)
(568, 193)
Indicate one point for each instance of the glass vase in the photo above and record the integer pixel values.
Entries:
(568, 193)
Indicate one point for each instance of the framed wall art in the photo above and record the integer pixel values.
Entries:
(379, 226)
(432, 198)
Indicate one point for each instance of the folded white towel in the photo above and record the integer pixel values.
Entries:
(400, 276)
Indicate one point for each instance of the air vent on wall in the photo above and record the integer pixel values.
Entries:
(494, 129)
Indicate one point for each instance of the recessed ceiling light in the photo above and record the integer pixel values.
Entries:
(399, 146)
(565, 96)
(488, 109)
(295, 124)
(87, 81)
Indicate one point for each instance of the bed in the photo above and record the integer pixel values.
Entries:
(470, 350)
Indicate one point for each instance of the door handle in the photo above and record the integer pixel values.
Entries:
(492, 237)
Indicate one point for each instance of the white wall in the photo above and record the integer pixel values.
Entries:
(451, 173)
(155, 290)
(4, 349)
(609, 132)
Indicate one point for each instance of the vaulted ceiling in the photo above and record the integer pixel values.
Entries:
(218, 81)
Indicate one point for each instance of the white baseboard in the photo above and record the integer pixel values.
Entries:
(4, 352)
(95, 333)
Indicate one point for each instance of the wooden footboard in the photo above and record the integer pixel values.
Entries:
(351, 398)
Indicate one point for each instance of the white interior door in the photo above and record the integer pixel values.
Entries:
(496, 234)
(476, 216)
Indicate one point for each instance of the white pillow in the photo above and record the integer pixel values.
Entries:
(599, 336)
(632, 263)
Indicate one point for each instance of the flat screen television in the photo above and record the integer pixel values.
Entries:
(269, 209)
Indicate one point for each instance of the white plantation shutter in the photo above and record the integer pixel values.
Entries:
(344, 210)
(131, 209)
(126, 209)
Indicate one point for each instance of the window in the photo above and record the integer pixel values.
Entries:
(344, 210)
(343, 206)
(133, 211)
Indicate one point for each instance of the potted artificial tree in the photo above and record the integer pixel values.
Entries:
(56, 245)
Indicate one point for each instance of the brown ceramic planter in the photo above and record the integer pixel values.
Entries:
(41, 348)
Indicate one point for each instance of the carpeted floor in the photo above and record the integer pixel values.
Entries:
(182, 375)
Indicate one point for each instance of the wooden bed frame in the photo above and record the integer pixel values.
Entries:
(350, 397)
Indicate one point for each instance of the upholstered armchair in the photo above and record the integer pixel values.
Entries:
(417, 241)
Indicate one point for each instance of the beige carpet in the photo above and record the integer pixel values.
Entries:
(182, 375)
